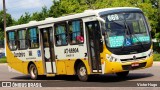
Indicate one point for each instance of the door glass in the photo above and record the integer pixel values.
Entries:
(45, 38)
(91, 41)
(46, 45)
(94, 37)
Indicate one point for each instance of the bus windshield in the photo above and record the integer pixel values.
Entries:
(126, 29)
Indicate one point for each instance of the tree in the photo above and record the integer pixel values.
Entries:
(40, 15)
(56, 9)
(63, 7)
(9, 22)
(156, 4)
(24, 18)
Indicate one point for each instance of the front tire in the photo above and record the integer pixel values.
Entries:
(82, 72)
(33, 72)
(122, 74)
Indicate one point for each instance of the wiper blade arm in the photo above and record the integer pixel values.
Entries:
(128, 28)
(138, 40)
(125, 35)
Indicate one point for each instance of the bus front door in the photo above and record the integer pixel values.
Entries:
(94, 45)
(48, 50)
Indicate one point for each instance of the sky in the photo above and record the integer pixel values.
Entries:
(18, 7)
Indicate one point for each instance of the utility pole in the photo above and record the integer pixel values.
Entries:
(4, 16)
(4, 19)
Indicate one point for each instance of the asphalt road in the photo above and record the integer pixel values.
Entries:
(142, 76)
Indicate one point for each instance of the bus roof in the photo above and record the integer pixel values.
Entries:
(86, 13)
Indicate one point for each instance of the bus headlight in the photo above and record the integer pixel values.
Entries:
(112, 59)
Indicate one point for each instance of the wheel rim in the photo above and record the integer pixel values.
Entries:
(33, 72)
(82, 71)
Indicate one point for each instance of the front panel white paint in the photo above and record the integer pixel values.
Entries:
(48, 67)
(45, 26)
(60, 52)
(28, 54)
(103, 67)
(95, 70)
(88, 19)
(131, 55)
(54, 67)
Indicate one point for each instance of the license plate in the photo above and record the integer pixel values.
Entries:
(135, 64)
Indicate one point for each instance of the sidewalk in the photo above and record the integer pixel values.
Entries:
(3, 63)
(156, 63)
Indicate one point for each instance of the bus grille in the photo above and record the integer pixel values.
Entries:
(133, 59)
(129, 67)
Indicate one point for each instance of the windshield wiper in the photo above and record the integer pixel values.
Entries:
(139, 41)
(125, 36)
(135, 37)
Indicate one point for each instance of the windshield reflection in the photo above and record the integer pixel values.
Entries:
(126, 29)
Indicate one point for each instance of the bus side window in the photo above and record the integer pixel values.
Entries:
(33, 37)
(61, 34)
(12, 40)
(22, 41)
(76, 32)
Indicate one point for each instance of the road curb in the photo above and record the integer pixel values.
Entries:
(156, 63)
(3, 63)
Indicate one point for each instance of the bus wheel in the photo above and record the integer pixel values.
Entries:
(122, 74)
(33, 71)
(82, 72)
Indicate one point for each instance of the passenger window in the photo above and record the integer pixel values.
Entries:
(22, 41)
(61, 34)
(12, 40)
(33, 38)
(76, 32)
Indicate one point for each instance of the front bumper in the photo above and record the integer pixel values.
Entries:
(113, 67)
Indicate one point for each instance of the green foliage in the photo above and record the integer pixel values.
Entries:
(156, 4)
(9, 22)
(74, 6)
(3, 60)
(8, 19)
(24, 18)
(156, 47)
(156, 57)
(151, 9)
(56, 10)
(40, 15)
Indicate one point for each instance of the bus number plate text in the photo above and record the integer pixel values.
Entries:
(135, 64)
